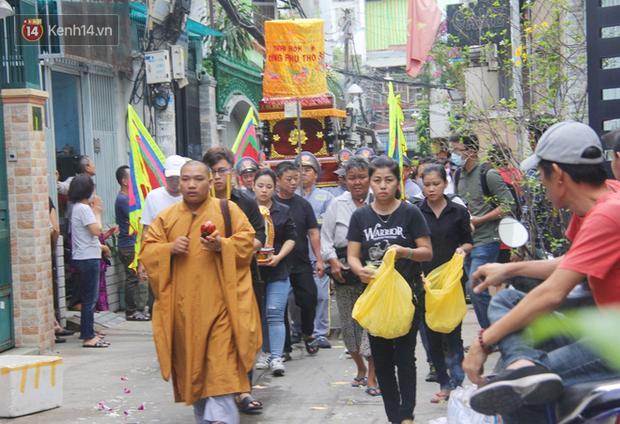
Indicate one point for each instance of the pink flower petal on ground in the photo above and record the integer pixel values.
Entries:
(101, 406)
(126, 390)
(141, 407)
(125, 413)
(123, 378)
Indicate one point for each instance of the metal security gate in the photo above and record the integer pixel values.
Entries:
(7, 340)
(104, 143)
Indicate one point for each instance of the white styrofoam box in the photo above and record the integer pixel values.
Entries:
(29, 384)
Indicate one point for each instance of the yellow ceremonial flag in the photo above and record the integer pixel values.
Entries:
(295, 58)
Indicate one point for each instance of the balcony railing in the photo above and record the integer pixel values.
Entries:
(18, 61)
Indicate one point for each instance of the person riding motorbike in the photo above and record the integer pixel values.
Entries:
(570, 158)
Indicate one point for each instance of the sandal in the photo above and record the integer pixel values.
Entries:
(137, 316)
(249, 405)
(312, 345)
(373, 391)
(99, 344)
(441, 396)
(359, 381)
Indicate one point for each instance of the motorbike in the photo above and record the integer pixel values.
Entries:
(595, 402)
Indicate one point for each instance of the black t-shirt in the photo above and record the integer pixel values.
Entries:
(402, 227)
(303, 216)
(284, 229)
(448, 232)
(249, 207)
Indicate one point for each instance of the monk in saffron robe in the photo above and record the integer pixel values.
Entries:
(206, 324)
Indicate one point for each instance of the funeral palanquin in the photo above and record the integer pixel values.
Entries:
(318, 132)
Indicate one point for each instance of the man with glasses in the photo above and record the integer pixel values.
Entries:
(220, 160)
(486, 209)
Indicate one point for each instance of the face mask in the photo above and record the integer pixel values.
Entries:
(457, 159)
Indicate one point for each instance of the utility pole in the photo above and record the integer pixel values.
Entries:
(347, 23)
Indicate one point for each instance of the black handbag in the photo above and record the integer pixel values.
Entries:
(348, 275)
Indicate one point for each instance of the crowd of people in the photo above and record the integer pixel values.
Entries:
(236, 293)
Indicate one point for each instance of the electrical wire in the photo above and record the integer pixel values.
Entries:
(383, 79)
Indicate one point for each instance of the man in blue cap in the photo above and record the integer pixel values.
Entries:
(319, 199)
(343, 156)
(366, 152)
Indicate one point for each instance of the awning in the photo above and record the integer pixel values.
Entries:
(309, 113)
(138, 13)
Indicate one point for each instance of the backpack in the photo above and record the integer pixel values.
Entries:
(484, 170)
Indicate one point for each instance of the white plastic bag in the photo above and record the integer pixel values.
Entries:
(459, 411)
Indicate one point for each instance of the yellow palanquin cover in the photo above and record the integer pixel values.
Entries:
(295, 58)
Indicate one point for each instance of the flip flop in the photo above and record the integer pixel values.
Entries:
(99, 345)
(64, 332)
(373, 391)
(359, 381)
(249, 405)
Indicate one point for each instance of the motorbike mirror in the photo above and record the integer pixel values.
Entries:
(512, 233)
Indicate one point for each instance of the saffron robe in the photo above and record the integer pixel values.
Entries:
(206, 323)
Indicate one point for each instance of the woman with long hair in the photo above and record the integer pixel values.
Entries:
(274, 269)
(450, 233)
(390, 223)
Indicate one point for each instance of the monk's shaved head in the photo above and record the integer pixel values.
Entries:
(195, 183)
(193, 163)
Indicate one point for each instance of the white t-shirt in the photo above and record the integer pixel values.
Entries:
(156, 201)
(84, 244)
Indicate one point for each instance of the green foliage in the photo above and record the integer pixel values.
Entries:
(552, 64)
(423, 129)
(235, 41)
(596, 325)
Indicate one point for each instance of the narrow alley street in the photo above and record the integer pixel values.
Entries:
(122, 385)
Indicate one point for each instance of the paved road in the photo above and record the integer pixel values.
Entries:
(109, 385)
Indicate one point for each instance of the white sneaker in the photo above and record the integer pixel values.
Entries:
(262, 361)
(277, 367)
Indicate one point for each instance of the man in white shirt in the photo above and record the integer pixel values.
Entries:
(162, 197)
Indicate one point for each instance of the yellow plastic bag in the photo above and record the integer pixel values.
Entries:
(445, 301)
(385, 309)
